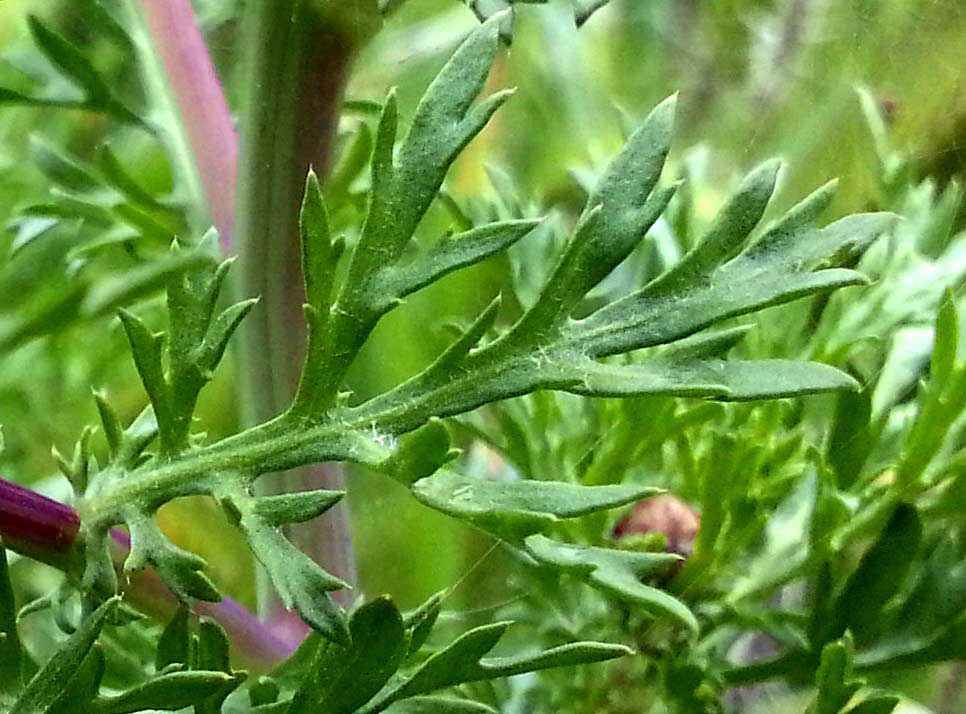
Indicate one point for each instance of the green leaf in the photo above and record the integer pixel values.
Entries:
(118, 291)
(728, 233)
(113, 431)
(320, 258)
(11, 651)
(544, 351)
(295, 507)
(568, 655)
(213, 655)
(618, 214)
(453, 253)
(930, 626)
(459, 350)
(883, 704)
(344, 677)
(445, 122)
(147, 348)
(760, 277)
(61, 169)
(77, 470)
(851, 439)
(439, 705)
(299, 581)
(879, 576)
(616, 572)
(173, 643)
(212, 647)
(585, 9)
(180, 570)
(947, 644)
(513, 510)
(224, 326)
(420, 622)
(115, 173)
(81, 690)
(420, 453)
(834, 678)
(47, 312)
(402, 191)
(47, 685)
(136, 438)
(8, 96)
(730, 380)
(264, 690)
(464, 661)
(944, 350)
(167, 692)
(79, 69)
(319, 254)
(351, 164)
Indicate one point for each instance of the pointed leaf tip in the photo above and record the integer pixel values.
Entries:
(766, 173)
(667, 107)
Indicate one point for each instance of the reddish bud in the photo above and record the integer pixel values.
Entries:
(665, 514)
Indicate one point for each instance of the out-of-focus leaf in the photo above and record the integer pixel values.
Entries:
(64, 171)
(46, 686)
(880, 575)
(883, 704)
(851, 439)
(76, 66)
(118, 291)
(11, 651)
(834, 680)
(930, 625)
(49, 310)
(616, 572)
(464, 661)
(29, 228)
(439, 705)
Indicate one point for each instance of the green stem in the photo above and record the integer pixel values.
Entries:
(205, 125)
(165, 116)
(299, 62)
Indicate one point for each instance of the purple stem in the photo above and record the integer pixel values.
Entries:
(202, 104)
(46, 530)
(36, 526)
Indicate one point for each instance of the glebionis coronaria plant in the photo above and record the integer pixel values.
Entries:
(675, 334)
